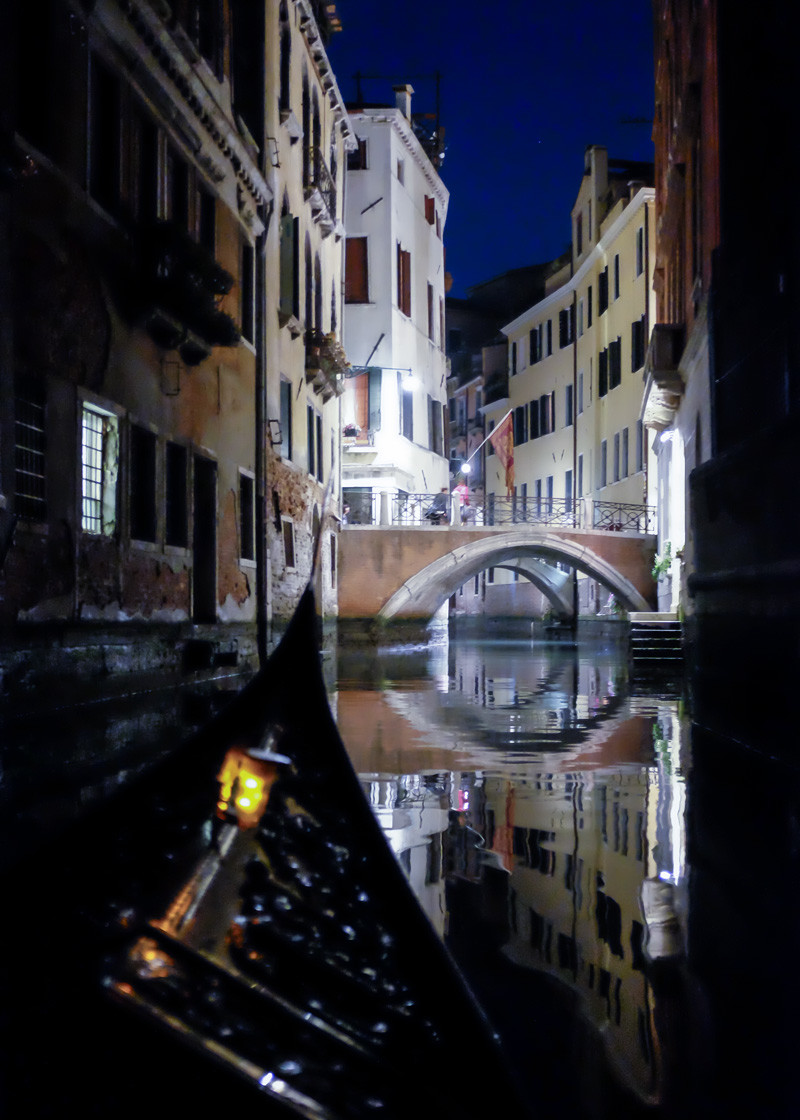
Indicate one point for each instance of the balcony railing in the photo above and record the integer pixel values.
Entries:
(321, 192)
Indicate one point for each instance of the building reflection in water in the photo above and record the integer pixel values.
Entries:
(537, 807)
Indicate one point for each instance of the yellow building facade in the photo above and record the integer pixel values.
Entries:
(576, 361)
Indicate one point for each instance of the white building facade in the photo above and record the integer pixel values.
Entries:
(393, 405)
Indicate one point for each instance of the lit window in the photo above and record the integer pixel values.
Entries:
(99, 468)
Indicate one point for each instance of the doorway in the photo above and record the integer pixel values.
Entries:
(204, 541)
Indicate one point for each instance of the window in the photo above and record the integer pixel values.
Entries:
(177, 189)
(431, 314)
(640, 251)
(284, 97)
(579, 234)
(549, 337)
(603, 462)
(176, 512)
(142, 484)
(589, 306)
(404, 280)
(580, 476)
(637, 344)
(614, 363)
(580, 318)
(549, 492)
(206, 219)
(535, 344)
(602, 291)
(285, 446)
(29, 451)
(147, 169)
(248, 293)
(520, 425)
(568, 491)
(639, 445)
(566, 324)
(367, 386)
(105, 135)
(580, 392)
(357, 159)
(356, 275)
(602, 373)
(568, 392)
(547, 413)
(287, 528)
(430, 210)
(436, 423)
(247, 511)
(533, 425)
(401, 171)
(311, 438)
(616, 276)
(406, 410)
(289, 239)
(314, 438)
(513, 358)
(616, 456)
(624, 452)
(99, 468)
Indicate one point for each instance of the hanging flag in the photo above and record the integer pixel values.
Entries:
(502, 440)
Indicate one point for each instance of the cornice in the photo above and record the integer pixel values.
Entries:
(316, 49)
(154, 53)
(405, 132)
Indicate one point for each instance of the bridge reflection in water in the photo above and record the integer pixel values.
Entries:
(538, 810)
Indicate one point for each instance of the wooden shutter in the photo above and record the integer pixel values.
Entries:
(356, 288)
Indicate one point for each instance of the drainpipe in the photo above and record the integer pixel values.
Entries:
(645, 437)
(261, 434)
(574, 445)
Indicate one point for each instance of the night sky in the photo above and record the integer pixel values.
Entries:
(525, 87)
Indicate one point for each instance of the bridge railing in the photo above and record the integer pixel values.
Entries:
(400, 508)
(624, 517)
(524, 510)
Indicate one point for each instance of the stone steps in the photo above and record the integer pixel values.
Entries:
(655, 644)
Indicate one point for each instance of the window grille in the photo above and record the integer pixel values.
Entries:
(29, 457)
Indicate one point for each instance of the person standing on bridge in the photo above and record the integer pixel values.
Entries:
(439, 510)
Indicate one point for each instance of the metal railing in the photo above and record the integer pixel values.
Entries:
(534, 511)
(624, 517)
(399, 508)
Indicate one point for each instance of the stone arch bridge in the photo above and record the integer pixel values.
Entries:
(406, 573)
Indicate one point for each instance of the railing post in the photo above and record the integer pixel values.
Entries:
(385, 508)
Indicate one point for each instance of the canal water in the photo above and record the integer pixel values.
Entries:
(538, 808)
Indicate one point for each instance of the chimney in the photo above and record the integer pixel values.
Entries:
(402, 99)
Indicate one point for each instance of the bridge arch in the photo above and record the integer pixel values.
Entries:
(424, 592)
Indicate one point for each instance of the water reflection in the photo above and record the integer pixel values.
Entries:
(538, 810)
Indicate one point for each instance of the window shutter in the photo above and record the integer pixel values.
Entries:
(356, 288)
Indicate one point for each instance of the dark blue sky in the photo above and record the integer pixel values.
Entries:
(525, 87)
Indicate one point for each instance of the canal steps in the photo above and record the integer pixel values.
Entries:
(655, 644)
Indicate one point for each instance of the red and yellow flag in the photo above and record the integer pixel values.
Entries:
(502, 441)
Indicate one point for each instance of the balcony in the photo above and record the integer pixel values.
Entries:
(320, 194)
(663, 383)
(326, 364)
(180, 284)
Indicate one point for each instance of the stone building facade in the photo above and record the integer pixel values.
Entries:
(149, 161)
